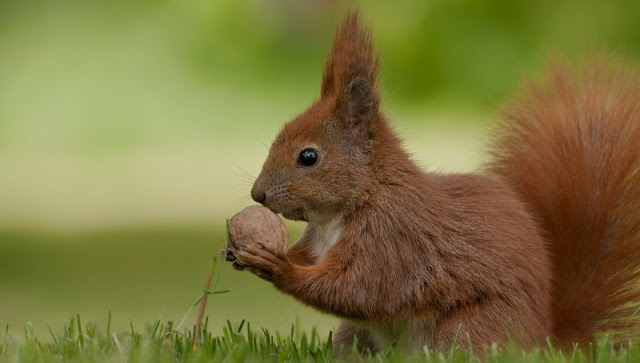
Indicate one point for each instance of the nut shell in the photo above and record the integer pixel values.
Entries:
(258, 224)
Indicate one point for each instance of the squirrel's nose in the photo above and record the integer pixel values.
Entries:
(258, 194)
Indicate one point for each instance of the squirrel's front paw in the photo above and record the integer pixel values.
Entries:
(262, 260)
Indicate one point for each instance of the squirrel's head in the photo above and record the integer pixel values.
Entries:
(320, 161)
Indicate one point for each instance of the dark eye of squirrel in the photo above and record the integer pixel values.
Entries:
(308, 157)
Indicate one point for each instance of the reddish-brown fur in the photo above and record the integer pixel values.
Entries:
(411, 258)
(570, 148)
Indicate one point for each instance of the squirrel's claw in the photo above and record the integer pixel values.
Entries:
(230, 257)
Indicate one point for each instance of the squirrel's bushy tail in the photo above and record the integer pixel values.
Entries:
(570, 147)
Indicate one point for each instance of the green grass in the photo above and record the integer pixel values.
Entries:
(143, 274)
(139, 274)
(159, 342)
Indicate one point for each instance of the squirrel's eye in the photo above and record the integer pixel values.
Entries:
(308, 157)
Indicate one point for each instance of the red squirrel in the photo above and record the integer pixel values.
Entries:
(544, 244)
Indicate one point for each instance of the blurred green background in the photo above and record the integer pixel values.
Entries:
(129, 130)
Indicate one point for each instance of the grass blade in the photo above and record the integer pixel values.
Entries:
(203, 304)
(108, 324)
(6, 339)
(80, 335)
(154, 328)
(216, 275)
(54, 339)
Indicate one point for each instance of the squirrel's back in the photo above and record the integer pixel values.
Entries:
(570, 147)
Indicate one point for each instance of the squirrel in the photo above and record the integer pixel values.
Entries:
(543, 243)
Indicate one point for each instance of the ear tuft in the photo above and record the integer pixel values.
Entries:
(351, 57)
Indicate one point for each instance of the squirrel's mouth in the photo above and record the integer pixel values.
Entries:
(296, 214)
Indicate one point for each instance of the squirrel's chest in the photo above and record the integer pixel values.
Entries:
(325, 235)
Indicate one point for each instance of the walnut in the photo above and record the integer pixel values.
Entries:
(258, 223)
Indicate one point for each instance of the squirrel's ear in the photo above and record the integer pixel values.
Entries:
(350, 74)
(352, 56)
(358, 105)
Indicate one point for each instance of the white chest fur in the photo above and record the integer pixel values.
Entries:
(325, 235)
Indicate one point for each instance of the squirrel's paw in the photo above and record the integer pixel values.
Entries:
(261, 259)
